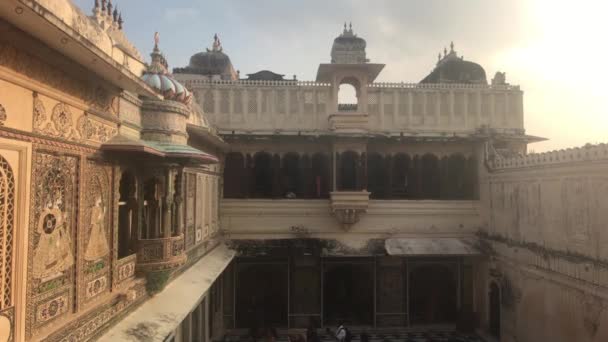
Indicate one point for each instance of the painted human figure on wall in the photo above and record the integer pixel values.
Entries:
(97, 246)
(53, 254)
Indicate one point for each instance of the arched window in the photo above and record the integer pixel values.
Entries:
(7, 231)
(262, 171)
(430, 176)
(320, 173)
(470, 179)
(290, 175)
(457, 176)
(401, 176)
(348, 96)
(127, 214)
(234, 175)
(376, 175)
(349, 162)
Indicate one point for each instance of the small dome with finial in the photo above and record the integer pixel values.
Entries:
(158, 77)
(213, 62)
(348, 48)
(452, 68)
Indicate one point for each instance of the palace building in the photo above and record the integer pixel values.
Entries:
(140, 202)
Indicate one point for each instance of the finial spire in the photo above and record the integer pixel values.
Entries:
(109, 7)
(350, 26)
(445, 52)
(96, 4)
(452, 46)
(120, 21)
(156, 40)
(439, 57)
(217, 45)
(103, 5)
(345, 27)
(115, 14)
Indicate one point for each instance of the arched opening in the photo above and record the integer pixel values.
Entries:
(152, 218)
(320, 173)
(430, 177)
(401, 176)
(471, 178)
(348, 95)
(348, 171)
(262, 171)
(127, 214)
(456, 170)
(433, 292)
(291, 175)
(494, 310)
(376, 176)
(234, 175)
(348, 294)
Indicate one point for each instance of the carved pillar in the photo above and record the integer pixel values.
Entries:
(167, 205)
(388, 185)
(336, 170)
(361, 182)
(179, 202)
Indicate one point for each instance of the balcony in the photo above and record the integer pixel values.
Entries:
(160, 254)
(289, 218)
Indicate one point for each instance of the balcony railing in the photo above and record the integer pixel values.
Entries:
(347, 107)
(162, 253)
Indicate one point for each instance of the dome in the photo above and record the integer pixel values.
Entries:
(211, 62)
(348, 48)
(454, 69)
(158, 77)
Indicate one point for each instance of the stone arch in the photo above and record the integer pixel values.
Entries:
(430, 176)
(401, 176)
(263, 175)
(234, 175)
(376, 175)
(320, 174)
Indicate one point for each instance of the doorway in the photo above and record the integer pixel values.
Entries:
(348, 294)
(433, 294)
(494, 310)
(261, 295)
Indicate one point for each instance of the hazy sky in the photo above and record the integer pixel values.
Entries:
(555, 50)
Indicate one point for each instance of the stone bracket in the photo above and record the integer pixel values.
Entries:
(347, 206)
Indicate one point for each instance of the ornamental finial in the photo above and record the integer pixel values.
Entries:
(217, 45)
(350, 27)
(156, 40)
(451, 46)
(103, 5)
(445, 52)
(96, 4)
(120, 21)
(115, 14)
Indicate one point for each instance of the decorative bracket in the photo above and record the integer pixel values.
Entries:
(347, 206)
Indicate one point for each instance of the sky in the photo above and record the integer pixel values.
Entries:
(554, 49)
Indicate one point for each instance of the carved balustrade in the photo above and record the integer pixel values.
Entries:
(161, 254)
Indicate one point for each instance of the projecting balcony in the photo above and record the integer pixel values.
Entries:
(161, 253)
(288, 218)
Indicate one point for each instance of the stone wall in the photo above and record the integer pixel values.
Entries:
(545, 227)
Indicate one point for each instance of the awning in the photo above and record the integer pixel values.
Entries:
(431, 246)
(120, 143)
(166, 310)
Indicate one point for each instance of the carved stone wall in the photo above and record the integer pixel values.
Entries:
(53, 229)
(95, 239)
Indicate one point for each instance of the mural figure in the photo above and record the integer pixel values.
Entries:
(53, 255)
(97, 247)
